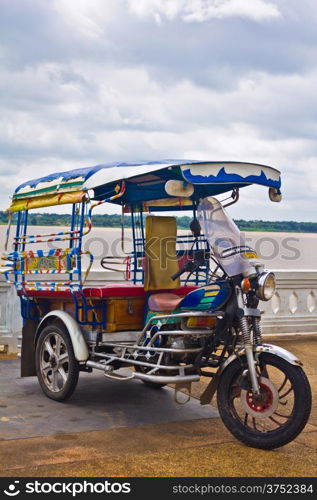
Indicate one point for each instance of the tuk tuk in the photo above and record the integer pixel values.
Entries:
(187, 305)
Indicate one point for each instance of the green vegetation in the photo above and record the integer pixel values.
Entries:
(114, 220)
(289, 226)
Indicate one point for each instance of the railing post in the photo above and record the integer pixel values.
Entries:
(10, 318)
(293, 308)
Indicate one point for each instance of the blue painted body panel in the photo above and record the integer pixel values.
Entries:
(208, 298)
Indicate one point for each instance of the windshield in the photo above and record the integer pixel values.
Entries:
(225, 238)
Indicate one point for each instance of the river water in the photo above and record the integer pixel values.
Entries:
(276, 250)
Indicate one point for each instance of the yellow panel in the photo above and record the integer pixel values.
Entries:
(125, 314)
(160, 250)
(168, 202)
(46, 201)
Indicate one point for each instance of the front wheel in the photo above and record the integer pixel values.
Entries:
(56, 366)
(278, 415)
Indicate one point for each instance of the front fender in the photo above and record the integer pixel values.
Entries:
(281, 352)
(272, 349)
(79, 344)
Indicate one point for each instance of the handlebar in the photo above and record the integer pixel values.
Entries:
(200, 257)
(176, 275)
(189, 267)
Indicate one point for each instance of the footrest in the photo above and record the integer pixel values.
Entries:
(117, 376)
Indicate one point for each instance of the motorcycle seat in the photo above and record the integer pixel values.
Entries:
(164, 302)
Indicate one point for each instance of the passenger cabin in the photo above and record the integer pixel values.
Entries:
(55, 278)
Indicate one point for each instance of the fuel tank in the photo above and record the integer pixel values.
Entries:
(211, 297)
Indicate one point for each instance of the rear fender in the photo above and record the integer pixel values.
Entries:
(80, 347)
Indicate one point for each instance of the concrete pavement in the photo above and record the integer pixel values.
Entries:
(97, 403)
(143, 436)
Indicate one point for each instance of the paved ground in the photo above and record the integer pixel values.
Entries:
(98, 403)
(140, 433)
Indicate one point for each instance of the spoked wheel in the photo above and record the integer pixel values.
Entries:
(274, 418)
(56, 367)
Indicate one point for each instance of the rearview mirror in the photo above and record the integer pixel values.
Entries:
(195, 228)
(275, 194)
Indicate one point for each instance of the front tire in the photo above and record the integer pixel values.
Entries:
(278, 416)
(56, 366)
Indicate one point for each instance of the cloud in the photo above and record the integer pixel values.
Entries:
(204, 10)
(89, 19)
(83, 83)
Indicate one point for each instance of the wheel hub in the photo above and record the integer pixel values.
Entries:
(263, 405)
(53, 361)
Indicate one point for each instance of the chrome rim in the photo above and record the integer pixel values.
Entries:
(54, 362)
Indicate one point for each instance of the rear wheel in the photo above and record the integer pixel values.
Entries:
(278, 415)
(56, 366)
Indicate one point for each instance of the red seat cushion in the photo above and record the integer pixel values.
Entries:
(115, 290)
(109, 290)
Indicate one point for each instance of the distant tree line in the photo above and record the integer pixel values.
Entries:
(289, 226)
(114, 220)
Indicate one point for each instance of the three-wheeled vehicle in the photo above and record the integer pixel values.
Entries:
(187, 307)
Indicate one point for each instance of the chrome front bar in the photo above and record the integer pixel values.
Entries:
(159, 379)
(130, 352)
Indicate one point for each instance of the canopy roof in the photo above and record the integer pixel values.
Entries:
(145, 181)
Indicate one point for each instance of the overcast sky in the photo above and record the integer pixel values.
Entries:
(84, 82)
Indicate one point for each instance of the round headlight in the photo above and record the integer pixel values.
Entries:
(266, 286)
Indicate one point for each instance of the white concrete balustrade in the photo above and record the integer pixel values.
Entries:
(293, 308)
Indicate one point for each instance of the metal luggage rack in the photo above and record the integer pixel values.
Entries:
(131, 351)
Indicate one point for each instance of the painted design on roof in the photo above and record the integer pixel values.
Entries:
(233, 173)
(79, 175)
